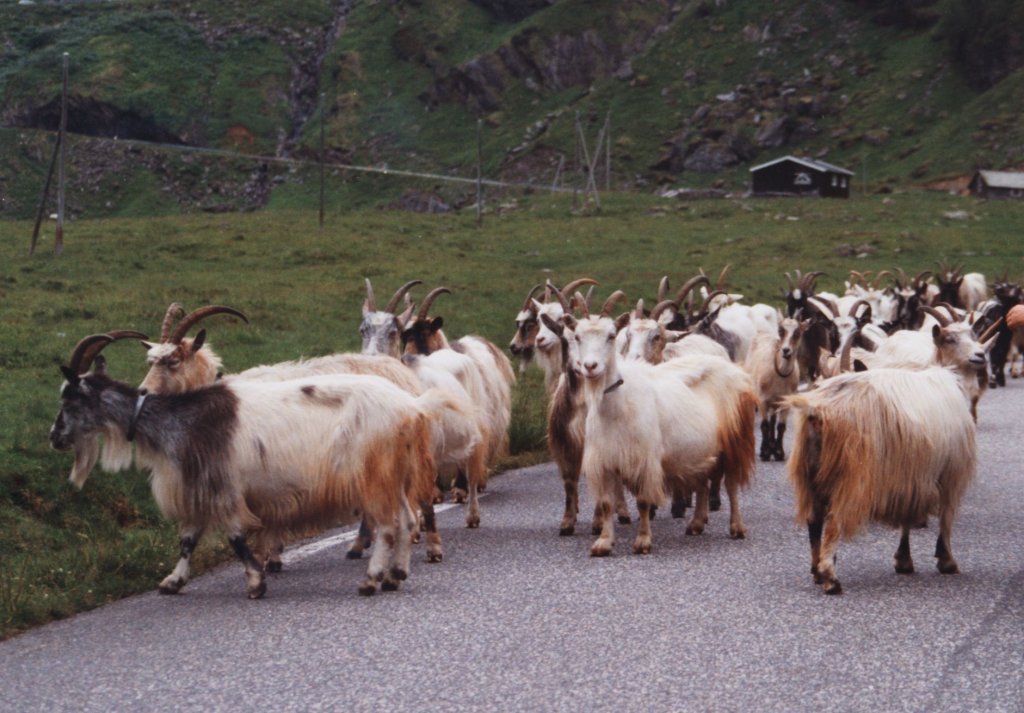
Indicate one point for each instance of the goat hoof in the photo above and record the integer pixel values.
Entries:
(368, 589)
(354, 554)
(625, 519)
(434, 557)
(904, 567)
(694, 529)
(948, 567)
(398, 574)
(389, 585)
(833, 587)
(472, 522)
(642, 548)
(600, 551)
(274, 566)
(458, 495)
(171, 586)
(738, 533)
(258, 592)
(567, 530)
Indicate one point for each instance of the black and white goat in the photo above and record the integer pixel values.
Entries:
(240, 456)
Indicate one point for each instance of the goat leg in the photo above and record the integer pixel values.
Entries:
(904, 562)
(362, 542)
(254, 576)
(571, 482)
(946, 564)
(188, 538)
(434, 552)
(642, 544)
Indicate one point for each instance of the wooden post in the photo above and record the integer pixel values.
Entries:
(322, 108)
(608, 152)
(591, 184)
(44, 197)
(575, 189)
(58, 243)
(558, 173)
(479, 173)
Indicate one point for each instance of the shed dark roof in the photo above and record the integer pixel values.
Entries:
(811, 163)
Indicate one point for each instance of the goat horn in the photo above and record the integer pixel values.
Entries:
(85, 352)
(942, 319)
(661, 307)
(582, 304)
(689, 285)
(852, 312)
(613, 299)
(576, 284)
(824, 308)
(721, 277)
(203, 312)
(397, 297)
(844, 357)
(991, 332)
(922, 277)
(789, 279)
(807, 282)
(663, 289)
(562, 299)
(902, 280)
(173, 312)
(529, 298)
(712, 295)
(371, 302)
(879, 276)
(953, 314)
(429, 300)
(639, 313)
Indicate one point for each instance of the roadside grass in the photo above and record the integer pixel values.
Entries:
(63, 551)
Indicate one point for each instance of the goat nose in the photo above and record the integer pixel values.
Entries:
(786, 352)
(513, 348)
(590, 365)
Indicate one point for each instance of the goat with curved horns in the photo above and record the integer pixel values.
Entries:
(234, 457)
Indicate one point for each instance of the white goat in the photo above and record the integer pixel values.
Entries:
(775, 370)
(659, 428)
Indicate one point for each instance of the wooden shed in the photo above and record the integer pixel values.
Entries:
(997, 184)
(793, 176)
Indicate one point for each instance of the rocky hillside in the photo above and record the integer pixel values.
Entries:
(696, 92)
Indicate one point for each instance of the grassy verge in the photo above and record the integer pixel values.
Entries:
(62, 550)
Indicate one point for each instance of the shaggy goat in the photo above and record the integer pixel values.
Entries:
(178, 364)
(659, 428)
(286, 455)
(890, 445)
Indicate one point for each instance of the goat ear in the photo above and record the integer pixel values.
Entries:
(936, 333)
(858, 365)
(622, 322)
(405, 316)
(672, 335)
(69, 375)
(436, 324)
(569, 321)
(147, 345)
(535, 305)
(197, 343)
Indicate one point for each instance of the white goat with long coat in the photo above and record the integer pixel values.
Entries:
(891, 445)
(660, 428)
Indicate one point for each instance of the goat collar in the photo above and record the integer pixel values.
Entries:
(140, 401)
(614, 386)
(775, 363)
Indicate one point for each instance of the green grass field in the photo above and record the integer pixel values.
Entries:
(63, 550)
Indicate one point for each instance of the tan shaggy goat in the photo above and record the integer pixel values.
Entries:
(890, 445)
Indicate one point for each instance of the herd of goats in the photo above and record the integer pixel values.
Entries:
(883, 381)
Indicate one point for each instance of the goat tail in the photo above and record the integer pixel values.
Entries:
(736, 438)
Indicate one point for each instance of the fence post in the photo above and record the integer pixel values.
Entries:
(479, 173)
(321, 161)
(608, 152)
(58, 243)
(44, 196)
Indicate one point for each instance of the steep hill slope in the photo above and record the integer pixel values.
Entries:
(696, 91)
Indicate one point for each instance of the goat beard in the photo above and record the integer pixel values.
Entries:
(87, 452)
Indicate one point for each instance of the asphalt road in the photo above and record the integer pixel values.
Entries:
(517, 618)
